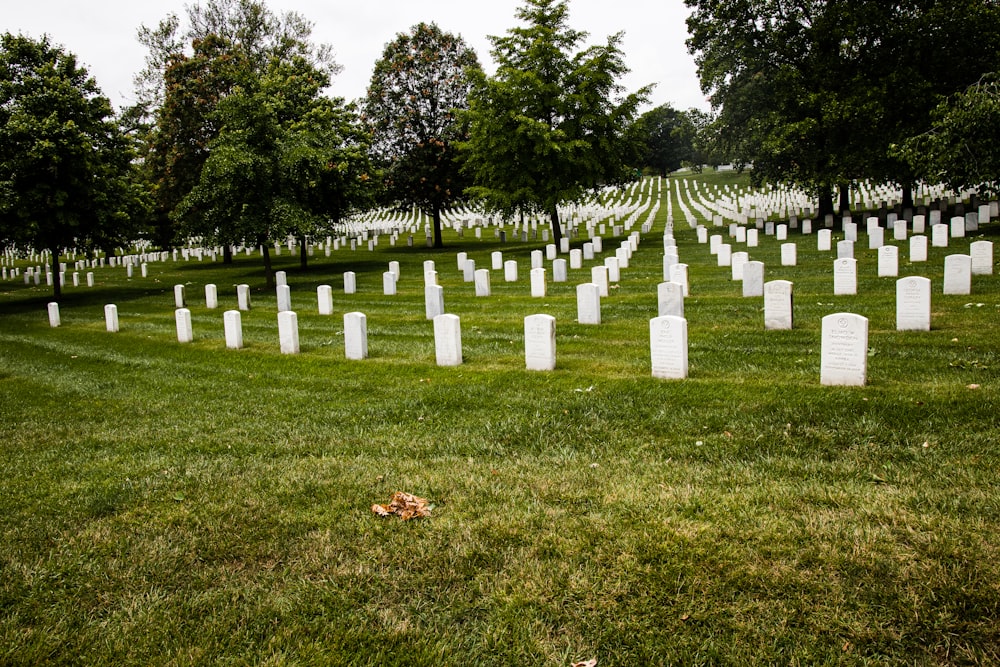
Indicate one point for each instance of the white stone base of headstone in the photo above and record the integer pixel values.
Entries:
(355, 336)
(844, 351)
(288, 331)
(111, 318)
(185, 334)
(668, 347)
(540, 342)
(448, 340)
(913, 304)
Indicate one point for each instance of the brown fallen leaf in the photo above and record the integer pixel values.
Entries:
(585, 663)
(404, 505)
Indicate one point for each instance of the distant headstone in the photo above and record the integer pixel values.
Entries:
(670, 299)
(389, 283)
(850, 231)
(540, 342)
(899, 230)
(496, 259)
(469, 272)
(350, 282)
(448, 340)
(179, 296)
(958, 274)
(355, 336)
(679, 274)
(90, 279)
(668, 347)
(918, 248)
(958, 227)
(781, 233)
(233, 326)
(551, 252)
(777, 304)
(280, 278)
(844, 353)
(243, 297)
(54, 319)
(913, 304)
(919, 224)
(876, 238)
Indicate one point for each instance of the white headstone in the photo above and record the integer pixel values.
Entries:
(54, 318)
(777, 304)
(284, 293)
(538, 283)
(211, 296)
(90, 279)
(288, 331)
(280, 278)
(614, 272)
(469, 272)
(243, 297)
(899, 230)
(537, 259)
(957, 227)
(789, 254)
(845, 276)
(844, 354)
(179, 296)
(111, 317)
(448, 340)
(350, 282)
(668, 347)
(939, 236)
(724, 255)
(913, 304)
(355, 336)
(182, 316)
(981, 253)
(576, 258)
(482, 279)
(394, 269)
(876, 238)
(888, 261)
(850, 231)
(781, 232)
(824, 239)
(551, 252)
(540, 342)
(753, 279)
(433, 301)
(233, 325)
(510, 271)
(559, 271)
(324, 299)
(736, 264)
(918, 248)
(670, 299)
(752, 241)
(919, 224)
(389, 283)
(599, 276)
(496, 258)
(588, 303)
(679, 274)
(845, 249)
(958, 274)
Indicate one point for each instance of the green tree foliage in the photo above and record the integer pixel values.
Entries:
(189, 71)
(815, 92)
(961, 147)
(420, 82)
(666, 139)
(549, 125)
(285, 161)
(65, 165)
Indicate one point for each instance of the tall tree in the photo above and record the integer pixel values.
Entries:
(549, 125)
(666, 137)
(190, 70)
(64, 163)
(284, 162)
(421, 80)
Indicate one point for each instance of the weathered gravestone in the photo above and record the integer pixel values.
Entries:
(448, 340)
(778, 304)
(913, 304)
(540, 342)
(670, 299)
(844, 353)
(668, 347)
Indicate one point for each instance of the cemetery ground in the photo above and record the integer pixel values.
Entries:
(169, 503)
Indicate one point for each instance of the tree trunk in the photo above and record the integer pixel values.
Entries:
(845, 198)
(303, 255)
(268, 271)
(436, 218)
(556, 229)
(908, 195)
(56, 283)
(227, 254)
(825, 203)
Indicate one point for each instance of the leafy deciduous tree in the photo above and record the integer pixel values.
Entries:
(421, 80)
(64, 163)
(549, 125)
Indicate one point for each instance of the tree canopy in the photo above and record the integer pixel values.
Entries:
(64, 163)
(417, 86)
(550, 124)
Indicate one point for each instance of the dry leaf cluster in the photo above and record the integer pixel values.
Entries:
(404, 505)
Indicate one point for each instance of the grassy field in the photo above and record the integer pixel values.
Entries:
(173, 504)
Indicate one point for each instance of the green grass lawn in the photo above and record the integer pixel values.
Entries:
(167, 503)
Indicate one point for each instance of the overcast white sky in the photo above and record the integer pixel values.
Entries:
(103, 35)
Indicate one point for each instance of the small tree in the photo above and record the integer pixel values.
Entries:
(548, 126)
(421, 80)
(64, 163)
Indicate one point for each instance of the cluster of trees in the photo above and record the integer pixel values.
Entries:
(234, 141)
(822, 93)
